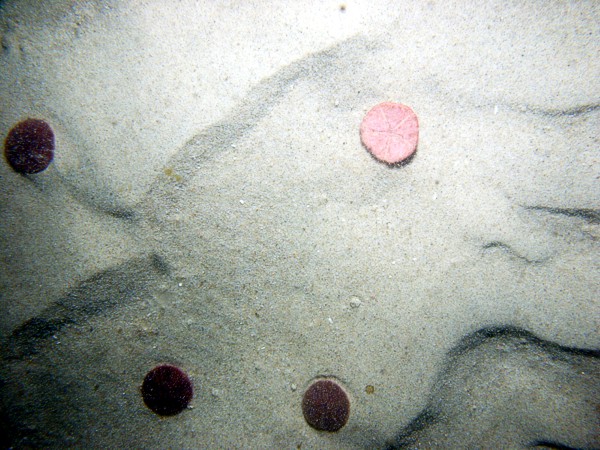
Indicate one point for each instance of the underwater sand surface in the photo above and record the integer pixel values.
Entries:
(210, 206)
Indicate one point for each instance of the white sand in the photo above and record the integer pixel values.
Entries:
(222, 141)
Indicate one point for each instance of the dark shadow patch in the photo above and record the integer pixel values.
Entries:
(589, 215)
(507, 356)
(259, 101)
(574, 111)
(484, 335)
(498, 245)
(127, 215)
(552, 445)
(110, 289)
(406, 438)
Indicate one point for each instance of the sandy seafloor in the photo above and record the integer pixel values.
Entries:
(211, 206)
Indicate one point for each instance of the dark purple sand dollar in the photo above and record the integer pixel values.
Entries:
(326, 405)
(29, 146)
(167, 390)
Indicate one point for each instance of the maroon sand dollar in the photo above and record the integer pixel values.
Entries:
(390, 131)
(29, 146)
(326, 406)
(167, 390)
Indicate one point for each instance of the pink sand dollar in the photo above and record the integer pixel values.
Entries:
(390, 131)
